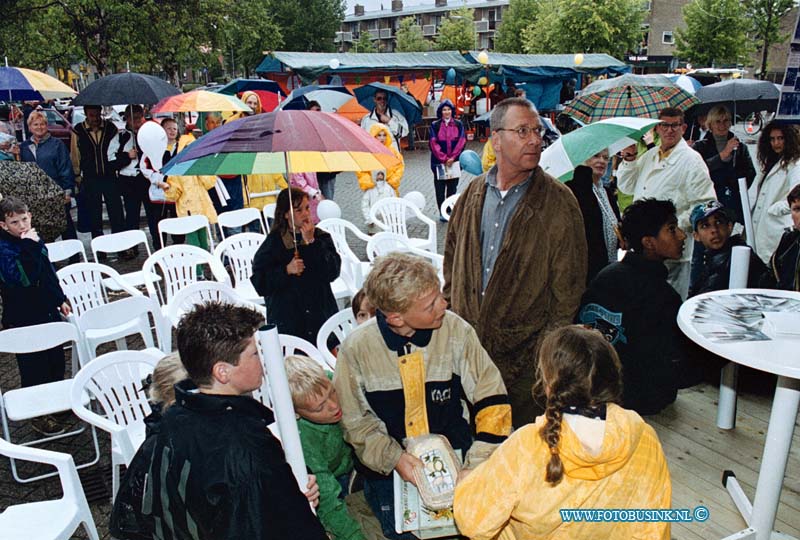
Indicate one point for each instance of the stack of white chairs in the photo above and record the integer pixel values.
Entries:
(354, 270)
(239, 218)
(64, 249)
(390, 214)
(23, 404)
(49, 519)
(339, 325)
(177, 267)
(114, 381)
(238, 250)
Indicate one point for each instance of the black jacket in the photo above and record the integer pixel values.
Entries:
(715, 269)
(785, 262)
(581, 186)
(94, 155)
(212, 470)
(725, 174)
(298, 305)
(636, 308)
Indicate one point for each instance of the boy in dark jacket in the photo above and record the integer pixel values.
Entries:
(632, 303)
(31, 295)
(785, 262)
(215, 469)
(712, 224)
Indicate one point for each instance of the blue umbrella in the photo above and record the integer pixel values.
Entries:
(690, 84)
(237, 86)
(398, 100)
(330, 97)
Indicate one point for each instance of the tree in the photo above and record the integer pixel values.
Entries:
(519, 15)
(308, 25)
(766, 16)
(592, 26)
(410, 38)
(364, 43)
(457, 31)
(715, 33)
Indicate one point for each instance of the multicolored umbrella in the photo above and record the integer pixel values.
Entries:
(329, 97)
(20, 84)
(560, 158)
(125, 89)
(200, 101)
(629, 95)
(281, 141)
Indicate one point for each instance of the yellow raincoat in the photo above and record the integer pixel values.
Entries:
(259, 183)
(393, 174)
(507, 496)
(488, 158)
(190, 193)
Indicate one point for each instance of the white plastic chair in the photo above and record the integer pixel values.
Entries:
(269, 213)
(185, 225)
(385, 243)
(64, 249)
(204, 291)
(289, 345)
(177, 266)
(119, 242)
(390, 215)
(34, 401)
(239, 251)
(239, 218)
(340, 325)
(51, 519)
(448, 204)
(351, 264)
(124, 317)
(114, 380)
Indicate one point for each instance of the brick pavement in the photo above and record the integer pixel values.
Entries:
(417, 177)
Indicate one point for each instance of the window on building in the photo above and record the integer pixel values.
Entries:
(648, 6)
(667, 38)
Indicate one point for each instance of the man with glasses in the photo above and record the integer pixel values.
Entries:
(670, 171)
(515, 253)
(384, 114)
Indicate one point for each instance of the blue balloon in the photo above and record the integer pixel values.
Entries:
(450, 77)
(471, 162)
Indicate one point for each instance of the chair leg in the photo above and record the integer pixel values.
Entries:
(37, 442)
(122, 345)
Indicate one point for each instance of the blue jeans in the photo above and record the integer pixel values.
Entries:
(380, 497)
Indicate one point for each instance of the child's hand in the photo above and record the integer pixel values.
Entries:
(313, 491)
(307, 230)
(30, 234)
(163, 185)
(65, 309)
(405, 467)
(296, 267)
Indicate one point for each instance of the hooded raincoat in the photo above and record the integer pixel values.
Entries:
(190, 193)
(447, 139)
(393, 174)
(628, 471)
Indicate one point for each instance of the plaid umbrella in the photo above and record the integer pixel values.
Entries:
(640, 96)
(297, 141)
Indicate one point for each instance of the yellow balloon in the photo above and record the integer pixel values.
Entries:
(482, 81)
(578, 59)
(483, 57)
(737, 75)
(387, 79)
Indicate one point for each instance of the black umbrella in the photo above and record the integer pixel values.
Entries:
(126, 89)
(45, 199)
(740, 96)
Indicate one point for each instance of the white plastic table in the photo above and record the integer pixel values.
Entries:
(781, 356)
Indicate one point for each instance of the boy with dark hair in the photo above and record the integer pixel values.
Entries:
(635, 307)
(214, 470)
(785, 262)
(31, 295)
(712, 224)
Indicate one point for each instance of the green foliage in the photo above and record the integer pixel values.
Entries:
(409, 37)
(765, 16)
(519, 15)
(308, 25)
(365, 43)
(715, 33)
(593, 26)
(457, 31)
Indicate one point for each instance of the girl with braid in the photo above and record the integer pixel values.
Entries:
(585, 453)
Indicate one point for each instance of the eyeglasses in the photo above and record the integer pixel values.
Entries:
(379, 98)
(676, 126)
(523, 132)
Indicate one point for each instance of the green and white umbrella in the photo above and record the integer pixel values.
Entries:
(572, 149)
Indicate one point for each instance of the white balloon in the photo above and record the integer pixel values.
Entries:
(328, 209)
(152, 140)
(334, 63)
(416, 198)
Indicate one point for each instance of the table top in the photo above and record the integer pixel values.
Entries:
(779, 355)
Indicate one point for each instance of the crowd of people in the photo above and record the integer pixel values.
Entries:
(536, 359)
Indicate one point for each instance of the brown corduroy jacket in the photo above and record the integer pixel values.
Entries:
(537, 280)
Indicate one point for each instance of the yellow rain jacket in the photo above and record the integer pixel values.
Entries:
(190, 193)
(507, 496)
(488, 158)
(259, 183)
(394, 174)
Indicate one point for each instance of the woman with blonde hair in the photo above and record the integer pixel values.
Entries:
(585, 452)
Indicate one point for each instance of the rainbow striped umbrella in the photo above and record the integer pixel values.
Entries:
(21, 84)
(201, 101)
(281, 141)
